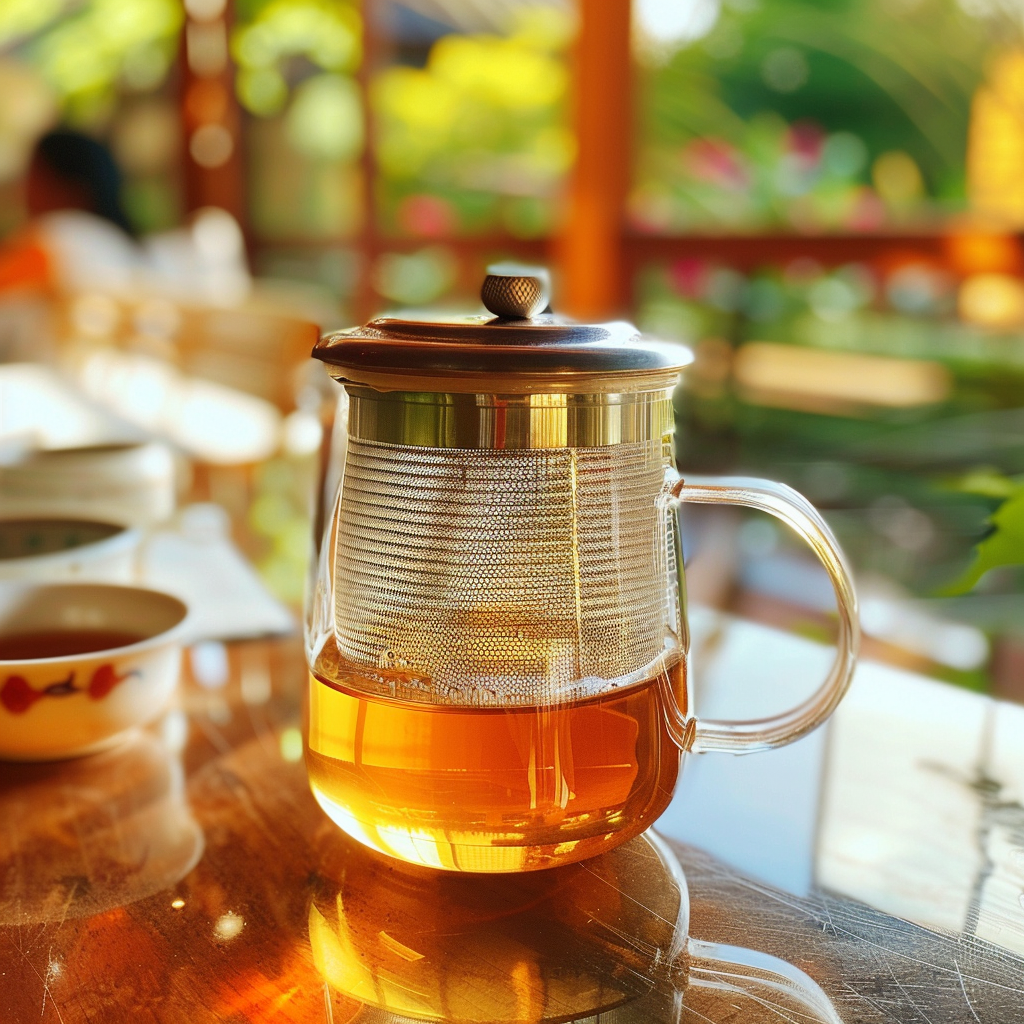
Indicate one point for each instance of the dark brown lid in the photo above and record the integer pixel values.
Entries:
(500, 353)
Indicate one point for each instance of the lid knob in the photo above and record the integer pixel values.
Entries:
(515, 292)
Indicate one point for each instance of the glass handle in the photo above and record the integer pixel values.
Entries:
(743, 737)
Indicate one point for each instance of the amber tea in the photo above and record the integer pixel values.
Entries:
(60, 643)
(491, 788)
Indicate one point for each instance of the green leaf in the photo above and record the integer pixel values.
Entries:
(988, 482)
(1003, 546)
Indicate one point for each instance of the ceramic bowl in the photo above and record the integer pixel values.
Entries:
(67, 549)
(131, 483)
(70, 703)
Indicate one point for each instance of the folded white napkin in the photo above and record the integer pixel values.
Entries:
(195, 559)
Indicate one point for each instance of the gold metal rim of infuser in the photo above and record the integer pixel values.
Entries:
(451, 420)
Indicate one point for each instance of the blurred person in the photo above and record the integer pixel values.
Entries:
(78, 235)
(71, 171)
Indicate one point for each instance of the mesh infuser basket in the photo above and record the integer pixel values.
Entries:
(504, 576)
(504, 536)
(499, 537)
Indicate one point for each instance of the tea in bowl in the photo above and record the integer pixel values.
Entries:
(68, 549)
(81, 663)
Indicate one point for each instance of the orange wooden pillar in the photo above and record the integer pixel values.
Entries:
(376, 30)
(590, 258)
(213, 159)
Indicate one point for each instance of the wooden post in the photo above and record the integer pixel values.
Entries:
(365, 301)
(592, 271)
(213, 164)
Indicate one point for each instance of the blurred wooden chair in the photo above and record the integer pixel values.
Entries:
(256, 347)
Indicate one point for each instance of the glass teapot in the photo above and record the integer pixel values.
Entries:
(496, 628)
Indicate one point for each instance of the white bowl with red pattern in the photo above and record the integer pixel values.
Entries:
(80, 663)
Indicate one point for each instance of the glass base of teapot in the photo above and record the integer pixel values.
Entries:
(492, 789)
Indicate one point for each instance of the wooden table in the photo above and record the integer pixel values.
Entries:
(188, 875)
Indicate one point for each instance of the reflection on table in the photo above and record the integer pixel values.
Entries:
(84, 836)
(605, 940)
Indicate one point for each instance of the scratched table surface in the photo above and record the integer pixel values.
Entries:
(872, 872)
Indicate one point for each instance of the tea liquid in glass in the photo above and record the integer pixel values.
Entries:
(486, 788)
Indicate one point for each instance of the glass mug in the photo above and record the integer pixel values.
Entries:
(496, 625)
